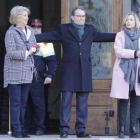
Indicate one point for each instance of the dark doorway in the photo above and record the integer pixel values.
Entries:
(35, 7)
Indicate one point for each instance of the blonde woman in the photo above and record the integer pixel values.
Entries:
(19, 41)
(125, 73)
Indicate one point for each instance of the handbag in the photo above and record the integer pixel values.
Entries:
(139, 74)
(36, 76)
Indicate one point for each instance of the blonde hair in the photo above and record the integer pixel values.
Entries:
(16, 12)
(137, 22)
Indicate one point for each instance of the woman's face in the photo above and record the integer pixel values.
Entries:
(23, 19)
(130, 22)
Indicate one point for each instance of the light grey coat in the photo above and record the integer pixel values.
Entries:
(17, 70)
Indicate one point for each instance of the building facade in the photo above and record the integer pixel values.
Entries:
(105, 16)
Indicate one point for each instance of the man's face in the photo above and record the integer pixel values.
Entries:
(79, 17)
(37, 30)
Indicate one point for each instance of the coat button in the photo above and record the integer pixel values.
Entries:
(80, 53)
(80, 43)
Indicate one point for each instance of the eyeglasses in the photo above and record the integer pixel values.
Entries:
(80, 16)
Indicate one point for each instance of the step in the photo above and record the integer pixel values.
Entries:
(56, 137)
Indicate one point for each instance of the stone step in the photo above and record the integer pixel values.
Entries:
(56, 137)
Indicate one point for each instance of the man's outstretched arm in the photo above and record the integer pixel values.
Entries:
(103, 37)
(54, 36)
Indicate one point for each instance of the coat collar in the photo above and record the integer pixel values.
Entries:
(19, 30)
(75, 34)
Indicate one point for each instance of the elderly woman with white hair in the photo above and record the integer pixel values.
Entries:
(18, 73)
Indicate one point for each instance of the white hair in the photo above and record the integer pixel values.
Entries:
(16, 12)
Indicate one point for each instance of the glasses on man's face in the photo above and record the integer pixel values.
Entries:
(80, 16)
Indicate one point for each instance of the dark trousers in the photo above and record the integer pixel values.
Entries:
(81, 111)
(1, 104)
(47, 119)
(1, 88)
(36, 102)
(134, 109)
(18, 94)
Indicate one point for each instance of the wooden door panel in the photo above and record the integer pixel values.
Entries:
(101, 84)
(96, 121)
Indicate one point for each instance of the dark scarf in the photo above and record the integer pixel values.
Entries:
(80, 29)
(129, 66)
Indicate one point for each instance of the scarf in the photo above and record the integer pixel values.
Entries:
(80, 29)
(129, 66)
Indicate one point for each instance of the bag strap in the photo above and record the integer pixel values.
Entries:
(26, 46)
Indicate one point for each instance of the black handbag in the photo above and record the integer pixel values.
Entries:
(139, 74)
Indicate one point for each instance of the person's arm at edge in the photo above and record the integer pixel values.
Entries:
(103, 37)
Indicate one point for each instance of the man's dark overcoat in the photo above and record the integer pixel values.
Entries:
(76, 74)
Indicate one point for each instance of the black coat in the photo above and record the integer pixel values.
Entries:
(76, 74)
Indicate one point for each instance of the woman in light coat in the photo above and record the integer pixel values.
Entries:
(125, 73)
(18, 65)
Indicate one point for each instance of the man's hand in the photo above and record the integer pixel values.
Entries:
(47, 80)
(138, 53)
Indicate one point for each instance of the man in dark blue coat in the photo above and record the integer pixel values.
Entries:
(76, 39)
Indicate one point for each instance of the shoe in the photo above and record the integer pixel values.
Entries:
(39, 133)
(83, 135)
(133, 132)
(63, 135)
(121, 132)
(17, 134)
(25, 135)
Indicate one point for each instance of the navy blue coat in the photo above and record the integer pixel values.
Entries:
(76, 74)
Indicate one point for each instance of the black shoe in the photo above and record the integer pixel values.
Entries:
(83, 135)
(63, 135)
(25, 135)
(17, 134)
(133, 132)
(121, 132)
(39, 133)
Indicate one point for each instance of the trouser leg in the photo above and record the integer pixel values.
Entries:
(18, 94)
(24, 96)
(37, 95)
(1, 104)
(123, 103)
(28, 114)
(81, 112)
(46, 122)
(65, 111)
(134, 108)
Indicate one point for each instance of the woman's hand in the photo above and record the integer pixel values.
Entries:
(32, 50)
